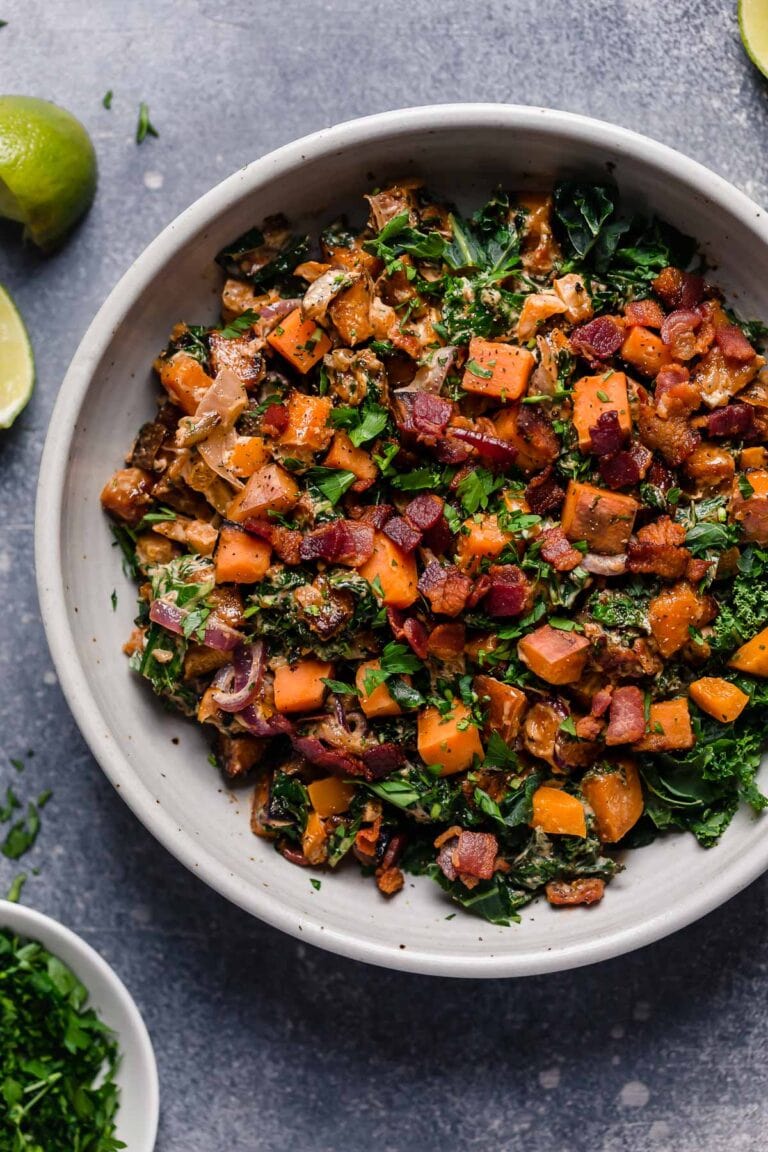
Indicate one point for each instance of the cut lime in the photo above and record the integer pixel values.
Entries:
(753, 24)
(47, 168)
(17, 364)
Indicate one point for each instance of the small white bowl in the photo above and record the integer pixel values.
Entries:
(136, 1077)
(159, 761)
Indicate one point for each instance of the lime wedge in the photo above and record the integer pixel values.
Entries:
(17, 364)
(47, 168)
(753, 24)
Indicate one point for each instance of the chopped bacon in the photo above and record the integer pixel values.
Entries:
(588, 727)
(401, 533)
(439, 538)
(332, 760)
(752, 514)
(736, 420)
(445, 587)
(446, 641)
(643, 314)
(383, 759)
(674, 395)
(627, 718)
(274, 420)
(660, 476)
(678, 332)
(415, 634)
(678, 289)
(558, 551)
(376, 515)
(601, 701)
(491, 448)
(599, 339)
(606, 436)
(674, 437)
(696, 570)
(625, 468)
(285, 541)
(479, 589)
(423, 512)
(659, 549)
(451, 451)
(422, 416)
(543, 494)
(584, 890)
(345, 542)
(509, 593)
(475, 854)
(734, 344)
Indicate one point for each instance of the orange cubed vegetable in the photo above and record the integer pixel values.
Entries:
(504, 369)
(710, 465)
(616, 798)
(672, 614)
(269, 489)
(604, 519)
(451, 741)
(554, 655)
(718, 698)
(353, 257)
(558, 813)
(351, 313)
(240, 558)
(330, 796)
(344, 456)
(506, 705)
(314, 840)
(480, 537)
(669, 727)
(393, 571)
(645, 351)
(380, 702)
(184, 379)
(758, 480)
(307, 422)
(299, 687)
(753, 458)
(593, 395)
(301, 342)
(533, 439)
(248, 454)
(752, 657)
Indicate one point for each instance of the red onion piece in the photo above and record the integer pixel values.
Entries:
(168, 616)
(248, 676)
(489, 447)
(431, 377)
(604, 565)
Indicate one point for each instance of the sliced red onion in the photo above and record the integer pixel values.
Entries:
(221, 637)
(217, 634)
(273, 313)
(431, 377)
(604, 565)
(168, 616)
(248, 673)
(275, 725)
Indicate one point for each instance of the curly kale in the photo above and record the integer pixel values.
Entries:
(745, 612)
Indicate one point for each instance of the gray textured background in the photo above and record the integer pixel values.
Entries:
(262, 1043)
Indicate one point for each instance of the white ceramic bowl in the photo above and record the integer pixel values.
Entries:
(463, 151)
(137, 1116)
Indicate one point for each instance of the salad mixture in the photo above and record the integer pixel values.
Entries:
(454, 535)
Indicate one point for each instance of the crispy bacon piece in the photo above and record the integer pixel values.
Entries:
(627, 718)
(606, 436)
(345, 542)
(451, 451)
(491, 448)
(659, 549)
(735, 420)
(678, 289)
(673, 438)
(475, 854)
(734, 344)
(424, 512)
(446, 641)
(389, 880)
(332, 760)
(382, 760)
(509, 593)
(584, 890)
(401, 533)
(375, 514)
(752, 514)
(422, 416)
(543, 494)
(557, 550)
(678, 332)
(537, 436)
(415, 634)
(588, 728)
(643, 314)
(625, 468)
(696, 570)
(275, 420)
(599, 339)
(285, 541)
(445, 587)
(601, 701)
(674, 394)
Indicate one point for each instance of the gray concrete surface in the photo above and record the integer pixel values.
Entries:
(262, 1043)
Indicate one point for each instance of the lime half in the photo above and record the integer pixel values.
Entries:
(17, 364)
(753, 24)
(47, 168)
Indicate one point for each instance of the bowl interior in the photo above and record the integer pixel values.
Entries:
(159, 761)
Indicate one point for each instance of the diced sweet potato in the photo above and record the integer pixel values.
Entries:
(450, 741)
(299, 687)
(269, 489)
(594, 395)
(240, 558)
(480, 537)
(301, 342)
(530, 433)
(330, 796)
(127, 494)
(351, 313)
(669, 727)
(344, 456)
(314, 840)
(718, 698)
(645, 351)
(752, 657)
(710, 465)
(603, 518)
(554, 655)
(380, 702)
(307, 422)
(673, 613)
(506, 705)
(184, 379)
(753, 458)
(616, 798)
(248, 454)
(504, 369)
(558, 813)
(392, 571)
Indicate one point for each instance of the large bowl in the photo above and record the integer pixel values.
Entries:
(158, 761)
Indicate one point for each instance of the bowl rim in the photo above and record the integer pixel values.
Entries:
(55, 936)
(48, 561)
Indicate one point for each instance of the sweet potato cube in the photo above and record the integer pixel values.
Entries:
(307, 422)
(753, 458)
(314, 840)
(480, 538)
(450, 741)
(506, 705)
(616, 798)
(645, 351)
(669, 727)
(558, 813)
(351, 313)
(758, 479)
(500, 370)
(604, 519)
(330, 796)
(718, 698)
(530, 434)
(380, 702)
(392, 573)
(752, 657)
(299, 687)
(269, 489)
(554, 655)
(344, 456)
(593, 395)
(301, 342)
(240, 558)
(248, 454)
(184, 379)
(671, 615)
